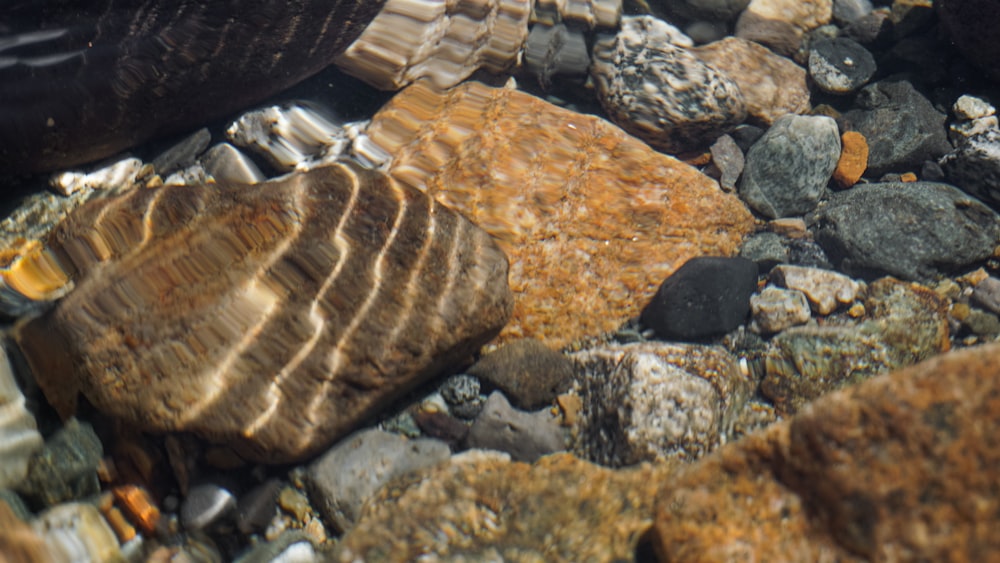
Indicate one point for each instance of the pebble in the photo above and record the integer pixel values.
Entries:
(853, 159)
(911, 230)
(974, 164)
(987, 294)
(841, 65)
(765, 249)
(656, 401)
(66, 467)
(771, 85)
(463, 394)
(342, 479)
(847, 11)
(781, 24)
(206, 504)
(728, 160)
(256, 508)
(788, 168)
(661, 92)
(826, 290)
(982, 324)
(442, 426)
(901, 126)
(873, 30)
(182, 154)
(526, 436)
(292, 546)
(556, 55)
(707, 296)
(76, 532)
(19, 436)
(774, 309)
(528, 372)
(226, 163)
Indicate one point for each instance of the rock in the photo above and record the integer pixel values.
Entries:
(868, 473)
(728, 159)
(905, 324)
(291, 546)
(710, 10)
(19, 437)
(873, 29)
(526, 436)
(556, 55)
(780, 24)
(66, 467)
(767, 250)
(974, 164)
(225, 163)
(483, 507)
(853, 159)
(206, 504)
(788, 168)
(987, 294)
(589, 14)
(825, 289)
(841, 65)
(659, 91)
(655, 401)
(847, 11)
(464, 396)
(341, 480)
(591, 219)
(256, 508)
(528, 372)
(775, 309)
(182, 154)
(982, 324)
(971, 26)
(271, 318)
(771, 85)
(901, 126)
(910, 230)
(707, 296)
(442, 426)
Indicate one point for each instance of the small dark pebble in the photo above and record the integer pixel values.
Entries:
(531, 374)
(256, 508)
(442, 426)
(206, 504)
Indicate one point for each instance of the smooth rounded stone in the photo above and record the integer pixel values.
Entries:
(271, 318)
(873, 29)
(226, 163)
(771, 85)
(901, 126)
(774, 309)
(442, 426)
(526, 436)
(850, 477)
(341, 480)
(206, 504)
(841, 65)
(182, 154)
(729, 160)
(970, 107)
(847, 11)
(972, 27)
(591, 218)
(66, 467)
(853, 160)
(788, 168)
(987, 294)
(825, 289)
(529, 373)
(707, 296)
(705, 31)
(463, 393)
(781, 24)
(256, 508)
(765, 249)
(655, 401)
(711, 10)
(661, 92)
(904, 324)
(484, 507)
(982, 324)
(556, 54)
(911, 230)
(19, 437)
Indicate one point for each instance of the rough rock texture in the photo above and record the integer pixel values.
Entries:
(591, 218)
(66, 467)
(771, 85)
(910, 230)
(273, 318)
(840, 65)
(903, 467)
(775, 309)
(825, 289)
(483, 507)
(659, 91)
(974, 164)
(781, 24)
(529, 373)
(787, 169)
(655, 401)
(972, 27)
(526, 436)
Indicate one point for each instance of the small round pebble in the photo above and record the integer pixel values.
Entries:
(206, 504)
(841, 65)
(775, 309)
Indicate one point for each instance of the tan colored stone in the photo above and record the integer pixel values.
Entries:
(781, 24)
(591, 218)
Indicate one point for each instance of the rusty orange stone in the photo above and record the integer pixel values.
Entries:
(907, 177)
(591, 218)
(853, 159)
(139, 506)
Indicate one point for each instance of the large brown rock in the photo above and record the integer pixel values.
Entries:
(591, 218)
(273, 318)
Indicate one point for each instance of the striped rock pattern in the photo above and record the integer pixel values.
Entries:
(591, 218)
(273, 318)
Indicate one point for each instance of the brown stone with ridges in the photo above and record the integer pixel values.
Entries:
(853, 159)
(591, 218)
(273, 318)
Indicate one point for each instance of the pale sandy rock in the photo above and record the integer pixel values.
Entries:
(775, 309)
(825, 289)
(781, 24)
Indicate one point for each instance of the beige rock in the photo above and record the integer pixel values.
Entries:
(825, 289)
(781, 24)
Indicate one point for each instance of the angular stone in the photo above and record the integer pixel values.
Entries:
(591, 218)
(775, 309)
(903, 467)
(787, 169)
(781, 24)
(66, 467)
(825, 289)
(529, 373)
(655, 401)
(727, 158)
(526, 436)
(987, 294)
(272, 318)
(974, 164)
(910, 230)
(840, 65)
(853, 159)
(772, 85)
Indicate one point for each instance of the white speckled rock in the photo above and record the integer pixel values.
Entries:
(19, 437)
(774, 309)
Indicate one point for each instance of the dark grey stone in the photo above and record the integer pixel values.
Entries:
(183, 154)
(206, 504)
(746, 135)
(66, 467)
(462, 393)
(873, 29)
(729, 160)
(841, 65)
(554, 53)
(846, 11)
(766, 249)
(974, 166)
(527, 371)
(901, 126)
(711, 10)
(256, 508)
(788, 168)
(910, 230)
(987, 294)
(705, 297)
(526, 436)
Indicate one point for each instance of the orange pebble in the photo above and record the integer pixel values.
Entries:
(139, 506)
(853, 159)
(907, 177)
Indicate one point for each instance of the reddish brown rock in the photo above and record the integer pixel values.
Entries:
(591, 218)
(902, 467)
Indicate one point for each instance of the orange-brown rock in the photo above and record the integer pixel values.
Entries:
(273, 318)
(853, 159)
(591, 218)
(905, 467)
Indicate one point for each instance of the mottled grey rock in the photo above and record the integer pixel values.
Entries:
(841, 65)
(911, 230)
(774, 309)
(529, 373)
(982, 323)
(901, 126)
(660, 92)
(556, 53)
(974, 164)
(707, 296)
(987, 294)
(654, 401)
(728, 159)
(463, 394)
(66, 467)
(766, 249)
(846, 11)
(526, 436)
(340, 480)
(788, 168)
(825, 289)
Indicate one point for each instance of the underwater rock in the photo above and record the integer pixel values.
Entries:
(19, 437)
